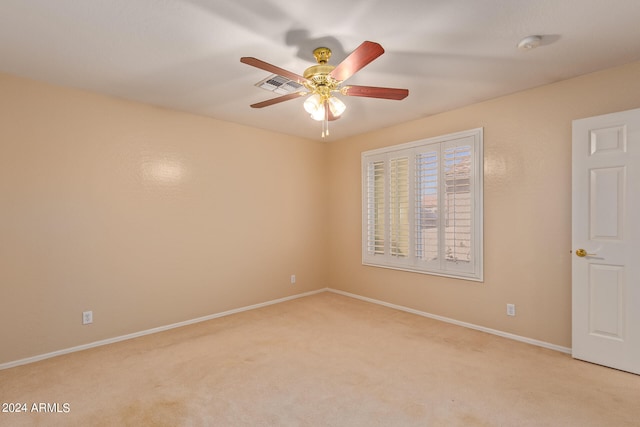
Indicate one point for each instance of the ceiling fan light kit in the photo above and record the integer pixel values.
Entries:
(315, 106)
(323, 81)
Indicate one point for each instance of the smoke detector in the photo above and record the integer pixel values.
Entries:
(529, 42)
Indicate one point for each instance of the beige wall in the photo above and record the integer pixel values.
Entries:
(146, 216)
(150, 217)
(527, 208)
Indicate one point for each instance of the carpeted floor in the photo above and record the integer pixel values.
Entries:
(323, 360)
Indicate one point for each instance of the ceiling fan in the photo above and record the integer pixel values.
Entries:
(323, 81)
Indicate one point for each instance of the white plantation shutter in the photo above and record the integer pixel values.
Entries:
(375, 207)
(422, 206)
(458, 204)
(399, 206)
(426, 206)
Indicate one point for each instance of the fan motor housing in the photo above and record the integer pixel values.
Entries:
(319, 74)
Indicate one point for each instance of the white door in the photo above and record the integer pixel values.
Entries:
(606, 240)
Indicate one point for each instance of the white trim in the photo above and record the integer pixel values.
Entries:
(457, 322)
(475, 132)
(40, 357)
(474, 270)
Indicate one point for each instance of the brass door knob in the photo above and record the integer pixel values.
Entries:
(583, 253)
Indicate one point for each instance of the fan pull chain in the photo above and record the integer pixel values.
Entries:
(325, 122)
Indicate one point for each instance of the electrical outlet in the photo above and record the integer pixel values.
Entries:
(293, 279)
(87, 317)
(511, 309)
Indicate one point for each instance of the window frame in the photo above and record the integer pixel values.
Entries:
(474, 270)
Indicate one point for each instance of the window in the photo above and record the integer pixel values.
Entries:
(422, 206)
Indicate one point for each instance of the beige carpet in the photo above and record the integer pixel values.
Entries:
(323, 360)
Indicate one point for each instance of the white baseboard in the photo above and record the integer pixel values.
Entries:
(40, 357)
(457, 322)
(33, 359)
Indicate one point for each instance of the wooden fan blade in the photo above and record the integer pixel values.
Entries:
(278, 99)
(376, 92)
(254, 62)
(363, 55)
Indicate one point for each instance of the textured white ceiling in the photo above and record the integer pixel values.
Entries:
(185, 54)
